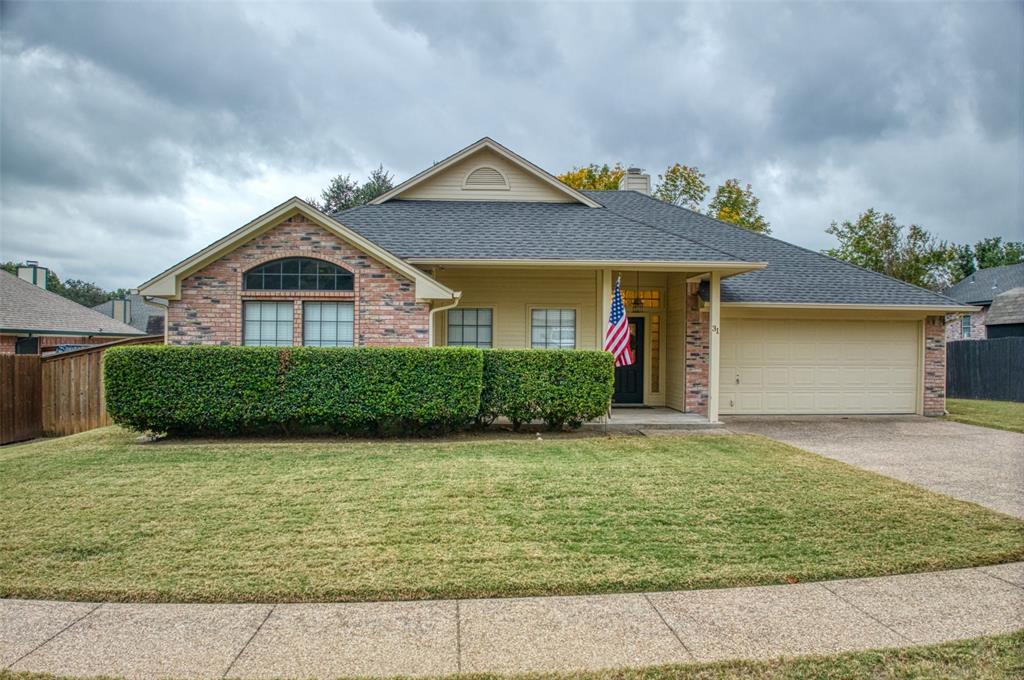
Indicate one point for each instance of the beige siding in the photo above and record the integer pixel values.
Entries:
(675, 341)
(512, 293)
(523, 186)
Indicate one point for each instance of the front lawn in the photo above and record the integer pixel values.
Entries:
(1002, 415)
(97, 516)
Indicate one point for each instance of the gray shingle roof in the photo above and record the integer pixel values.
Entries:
(26, 307)
(483, 230)
(1007, 307)
(793, 275)
(982, 286)
(141, 311)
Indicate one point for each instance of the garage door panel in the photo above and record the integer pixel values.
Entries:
(819, 366)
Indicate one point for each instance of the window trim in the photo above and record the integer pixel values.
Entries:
(245, 302)
(330, 301)
(966, 321)
(529, 323)
(489, 307)
(282, 257)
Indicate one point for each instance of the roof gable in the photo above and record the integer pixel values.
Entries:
(167, 284)
(486, 171)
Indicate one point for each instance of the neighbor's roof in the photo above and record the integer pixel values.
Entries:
(794, 275)
(982, 286)
(508, 230)
(141, 310)
(25, 307)
(1006, 308)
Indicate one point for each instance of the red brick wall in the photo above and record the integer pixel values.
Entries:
(934, 366)
(696, 353)
(210, 309)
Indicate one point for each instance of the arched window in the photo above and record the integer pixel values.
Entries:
(298, 273)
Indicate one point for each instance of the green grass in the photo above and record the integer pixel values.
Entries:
(97, 516)
(998, 657)
(1001, 415)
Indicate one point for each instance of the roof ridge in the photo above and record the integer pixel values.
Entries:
(792, 245)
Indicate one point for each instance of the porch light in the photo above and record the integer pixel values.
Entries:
(637, 303)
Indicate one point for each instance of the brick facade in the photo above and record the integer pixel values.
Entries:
(954, 326)
(210, 309)
(935, 366)
(696, 353)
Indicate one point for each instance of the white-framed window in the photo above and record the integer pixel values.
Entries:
(267, 323)
(328, 324)
(965, 326)
(471, 327)
(553, 328)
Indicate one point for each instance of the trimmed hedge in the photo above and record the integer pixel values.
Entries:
(560, 387)
(236, 390)
(243, 390)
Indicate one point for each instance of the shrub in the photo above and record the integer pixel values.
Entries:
(234, 390)
(560, 387)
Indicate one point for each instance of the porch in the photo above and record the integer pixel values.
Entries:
(673, 316)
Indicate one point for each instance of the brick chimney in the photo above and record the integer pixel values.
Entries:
(33, 273)
(636, 179)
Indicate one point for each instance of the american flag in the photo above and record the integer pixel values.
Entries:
(616, 338)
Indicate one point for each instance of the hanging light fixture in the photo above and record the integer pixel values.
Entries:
(638, 302)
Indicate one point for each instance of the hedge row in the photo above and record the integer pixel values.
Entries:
(243, 390)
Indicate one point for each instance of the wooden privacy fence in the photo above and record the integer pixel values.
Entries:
(57, 395)
(20, 397)
(985, 369)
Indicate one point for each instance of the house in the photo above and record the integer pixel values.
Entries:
(980, 289)
(34, 320)
(486, 249)
(146, 315)
(1005, 318)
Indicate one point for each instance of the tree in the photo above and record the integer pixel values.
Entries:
(988, 252)
(343, 192)
(682, 185)
(594, 177)
(736, 205)
(992, 252)
(909, 254)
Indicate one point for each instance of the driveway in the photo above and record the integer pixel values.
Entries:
(971, 463)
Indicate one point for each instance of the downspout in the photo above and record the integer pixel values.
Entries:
(435, 310)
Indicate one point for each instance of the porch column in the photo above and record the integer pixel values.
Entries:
(714, 335)
(605, 306)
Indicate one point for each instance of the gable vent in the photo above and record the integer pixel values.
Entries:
(485, 178)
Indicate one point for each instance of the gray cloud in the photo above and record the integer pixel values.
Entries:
(148, 130)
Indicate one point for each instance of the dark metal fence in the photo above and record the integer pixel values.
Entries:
(985, 369)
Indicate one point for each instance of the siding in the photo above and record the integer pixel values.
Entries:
(675, 334)
(511, 293)
(523, 186)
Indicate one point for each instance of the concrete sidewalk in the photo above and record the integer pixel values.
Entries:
(507, 635)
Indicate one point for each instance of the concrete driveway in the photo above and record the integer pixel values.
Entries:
(971, 463)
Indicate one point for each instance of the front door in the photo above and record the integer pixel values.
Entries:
(629, 380)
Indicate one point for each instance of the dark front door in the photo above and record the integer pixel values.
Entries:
(629, 380)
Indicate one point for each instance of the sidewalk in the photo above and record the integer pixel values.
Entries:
(507, 635)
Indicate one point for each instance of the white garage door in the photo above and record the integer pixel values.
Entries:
(818, 366)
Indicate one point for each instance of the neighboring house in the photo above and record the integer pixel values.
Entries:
(980, 289)
(146, 315)
(33, 320)
(1006, 315)
(486, 249)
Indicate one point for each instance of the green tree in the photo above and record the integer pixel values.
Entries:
(594, 177)
(876, 242)
(737, 205)
(343, 192)
(961, 262)
(682, 185)
(992, 252)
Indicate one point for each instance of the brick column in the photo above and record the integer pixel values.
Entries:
(935, 366)
(696, 354)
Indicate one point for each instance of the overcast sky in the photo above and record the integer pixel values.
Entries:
(133, 135)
